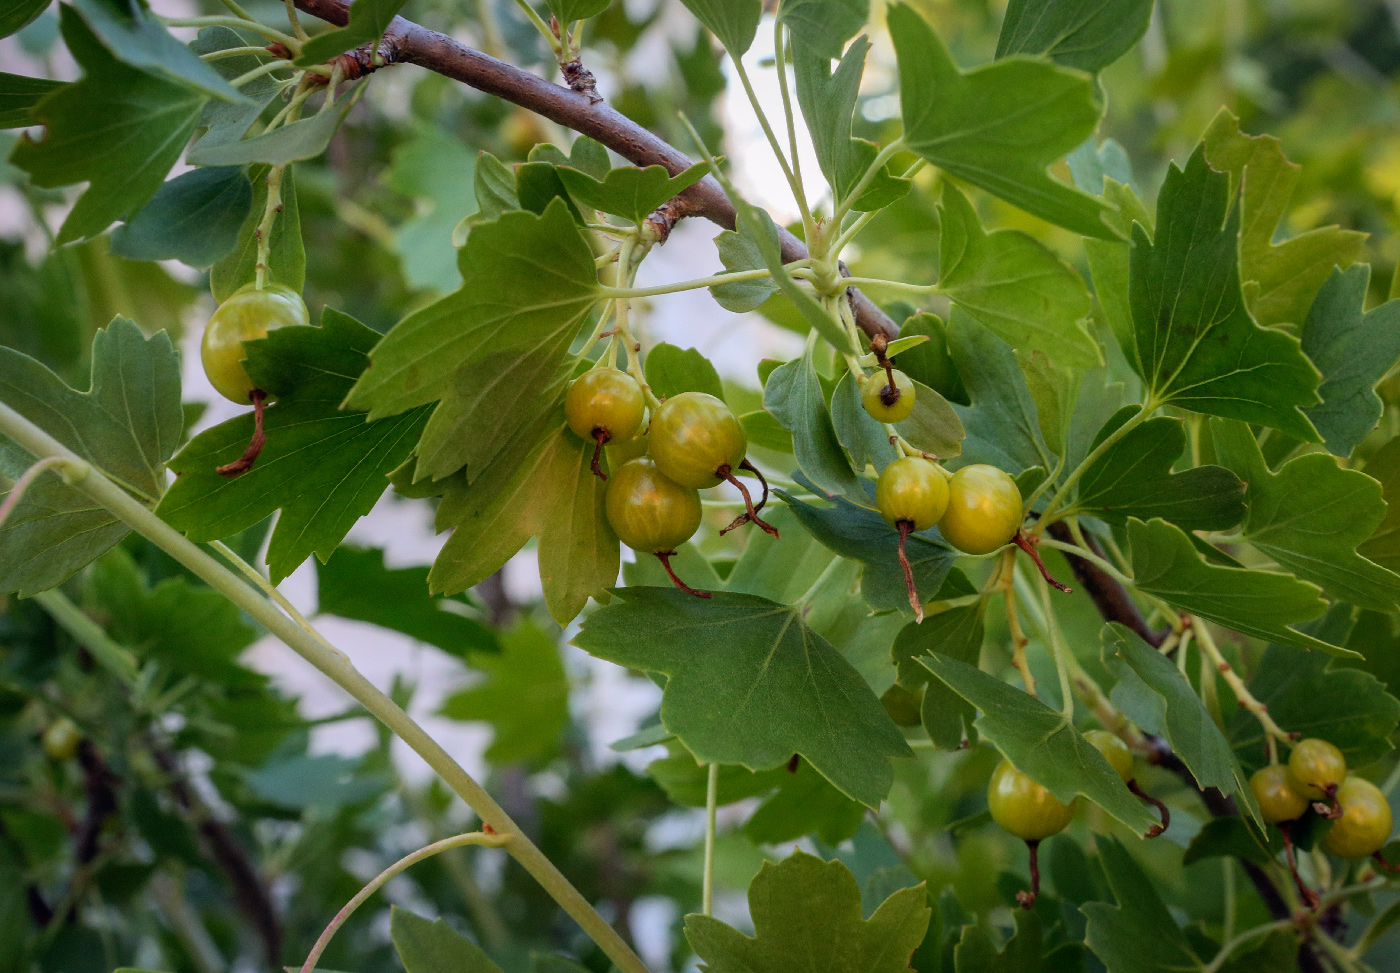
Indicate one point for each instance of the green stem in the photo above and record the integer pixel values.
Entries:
(1062, 494)
(541, 26)
(1089, 556)
(687, 285)
(780, 59)
(111, 497)
(111, 656)
(707, 886)
(374, 885)
(801, 197)
(1043, 614)
(1236, 942)
(295, 21)
(851, 231)
(276, 64)
(876, 166)
(252, 49)
(894, 284)
(236, 23)
(25, 481)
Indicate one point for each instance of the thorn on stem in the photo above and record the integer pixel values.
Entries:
(665, 558)
(1028, 545)
(905, 528)
(255, 445)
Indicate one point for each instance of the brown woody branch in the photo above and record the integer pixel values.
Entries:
(408, 43)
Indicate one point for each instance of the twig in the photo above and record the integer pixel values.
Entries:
(409, 43)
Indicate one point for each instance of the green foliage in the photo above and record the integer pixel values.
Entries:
(748, 684)
(630, 192)
(1195, 343)
(1118, 933)
(323, 468)
(794, 396)
(19, 95)
(118, 128)
(1353, 352)
(1078, 33)
(286, 257)
(525, 697)
(1040, 742)
(439, 172)
(1011, 284)
(55, 529)
(368, 21)
(734, 22)
(432, 947)
(998, 126)
(503, 305)
(401, 602)
(137, 39)
(671, 370)
(305, 138)
(194, 218)
(807, 917)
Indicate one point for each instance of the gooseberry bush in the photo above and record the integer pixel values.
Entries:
(1037, 613)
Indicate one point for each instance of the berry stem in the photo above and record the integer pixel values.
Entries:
(1232, 679)
(600, 437)
(1162, 809)
(906, 527)
(750, 511)
(1379, 859)
(1026, 897)
(250, 455)
(1308, 895)
(665, 558)
(1028, 545)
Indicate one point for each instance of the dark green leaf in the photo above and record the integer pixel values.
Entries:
(805, 804)
(933, 426)
(1003, 424)
(401, 602)
(541, 487)
(685, 781)
(132, 35)
(194, 218)
(1353, 351)
(823, 26)
(1014, 286)
(956, 633)
(1134, 478)
(1307, 694)
(828, 100)
(1259, 603)
(1025, 952)
(223, 122)
(369, 19)
(1383, 547)
(525, 697)
(489, 404)
(569, 11)
(1138, 935)
(433, 947)
(1310, 516)
(19, 13)
(324, 468)
(1040, 742)
(118, 129)
(187, 629)
(998, 126)
(1195, 344)
(734, 22)
(1157, 697)
(286, 257)
(751, 684)
(127, 424)
(630, 192)
(863, 436)
(527, 280)
(807, 919)
(861, 534)
(1228, 837)
(292, 142)
(19, 95)
(1280, 278)
(1086, 34)
(738, 252)
(671, 370)
(793, 395)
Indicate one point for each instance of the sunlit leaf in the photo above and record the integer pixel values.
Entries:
(1087, 34)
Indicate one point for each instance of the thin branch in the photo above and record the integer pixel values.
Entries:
(408, 43)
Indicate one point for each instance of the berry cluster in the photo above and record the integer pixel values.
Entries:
(694, 442)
